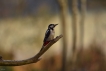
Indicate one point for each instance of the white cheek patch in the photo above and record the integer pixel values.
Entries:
(51, 26)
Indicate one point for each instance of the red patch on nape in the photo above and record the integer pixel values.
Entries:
(45, 43)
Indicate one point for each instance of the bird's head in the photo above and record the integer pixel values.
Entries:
(51, 26)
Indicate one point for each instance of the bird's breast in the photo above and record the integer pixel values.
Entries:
(52, 33)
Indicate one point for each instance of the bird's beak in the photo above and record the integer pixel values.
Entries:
(55, 24)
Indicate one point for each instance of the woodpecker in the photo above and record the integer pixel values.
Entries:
(49, 35)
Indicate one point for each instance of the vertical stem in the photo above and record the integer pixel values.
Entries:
(83, 10)
(74, 22)
(63, 9)
(74, 30)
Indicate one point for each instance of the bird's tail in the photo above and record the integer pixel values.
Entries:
(44, 44)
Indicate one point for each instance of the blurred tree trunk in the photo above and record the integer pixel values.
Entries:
(97, 27)
(74, 31)
(83, 10)
(63, 10)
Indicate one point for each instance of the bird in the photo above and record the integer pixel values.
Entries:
(49, 35)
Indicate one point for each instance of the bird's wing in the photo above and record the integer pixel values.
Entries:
(47, 35)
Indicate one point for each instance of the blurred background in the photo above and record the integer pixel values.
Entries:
(82, 22)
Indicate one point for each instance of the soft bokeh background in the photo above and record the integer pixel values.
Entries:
(23, 24)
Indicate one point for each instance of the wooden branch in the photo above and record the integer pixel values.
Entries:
(33, 59)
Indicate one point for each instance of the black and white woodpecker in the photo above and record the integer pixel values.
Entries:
(49, 35)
